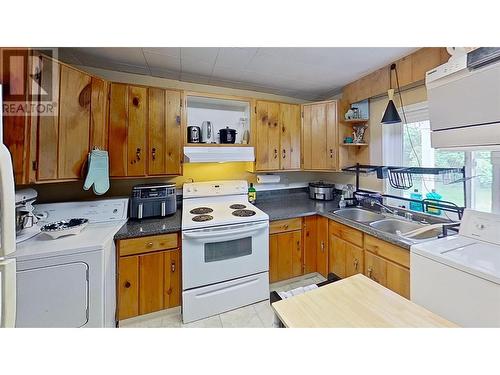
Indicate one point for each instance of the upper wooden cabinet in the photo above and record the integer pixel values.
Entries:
(64, 137)
(277, 145)
(144, 131)
(320, 136)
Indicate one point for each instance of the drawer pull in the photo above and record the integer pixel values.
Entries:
(149, 244)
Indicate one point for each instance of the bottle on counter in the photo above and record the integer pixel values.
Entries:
(342, 202)
(434, 196)
(414, 206)
(252, 194)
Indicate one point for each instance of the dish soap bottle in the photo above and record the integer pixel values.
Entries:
(435, 196)
(414, 205)
(252, 194)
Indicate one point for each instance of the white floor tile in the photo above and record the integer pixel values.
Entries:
(265, 313)
(244, 317)
(212, 322)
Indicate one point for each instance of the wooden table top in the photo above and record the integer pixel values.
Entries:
(354, 302)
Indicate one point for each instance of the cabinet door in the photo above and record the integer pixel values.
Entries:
(353, 259)
(285, 251)
(296, 249)
(375, 268)
(290, 136)
(151, 274)
(99, 114)
(47, 126)
(74, 122)
(337, 258)
(128, 287)
(174, 137)
(332, 136)
(319, 137)
(136, 131)
(273, 258)
(310, 244)
(118, 120)
(398, 279)
(268, 136)
(322, 246)
(172, 279)
(306, 153)
(157, 130)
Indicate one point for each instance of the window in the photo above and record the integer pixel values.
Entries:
(410, 145)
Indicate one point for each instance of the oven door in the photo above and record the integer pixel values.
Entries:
(217, 254)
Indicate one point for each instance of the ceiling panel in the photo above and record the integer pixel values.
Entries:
(306, 73)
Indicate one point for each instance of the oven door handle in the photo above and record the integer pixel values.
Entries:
(224, 232)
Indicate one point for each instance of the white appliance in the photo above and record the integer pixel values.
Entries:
(207, 132)
(464, 97)
(218, 154)
(458, 277)
(7, 234)
(70, 281)
(225, 249)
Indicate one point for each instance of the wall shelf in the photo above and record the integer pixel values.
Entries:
(354, 144)
(356, 121)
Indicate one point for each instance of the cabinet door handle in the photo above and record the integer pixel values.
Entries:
(322, 245)
(127, 284)
(153, 153)
(172, 267)
(138, 154)
(178, 120)
(298, 245)
(284, 153)
(370, 272)
(275, 153)
(331, 153)
(356, 264)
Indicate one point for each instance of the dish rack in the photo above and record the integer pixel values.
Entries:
(403, 177)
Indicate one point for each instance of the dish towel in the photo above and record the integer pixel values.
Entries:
(97, 172)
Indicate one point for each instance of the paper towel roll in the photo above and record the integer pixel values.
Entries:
(268, 178)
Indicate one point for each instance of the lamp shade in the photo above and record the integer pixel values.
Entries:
(391, 115)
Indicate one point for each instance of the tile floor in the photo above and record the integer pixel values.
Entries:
(258, 315)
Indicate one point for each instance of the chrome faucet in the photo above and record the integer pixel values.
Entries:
(383, 207)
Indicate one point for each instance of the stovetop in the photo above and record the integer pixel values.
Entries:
(222, 210)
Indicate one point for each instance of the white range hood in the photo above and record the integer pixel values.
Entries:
(216, 154)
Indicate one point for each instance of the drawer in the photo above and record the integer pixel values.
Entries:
(148, 244)
(346, 233)
(387, 250)
(287, 225)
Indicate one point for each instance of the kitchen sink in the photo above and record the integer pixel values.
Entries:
(393, 225)
(358, 214)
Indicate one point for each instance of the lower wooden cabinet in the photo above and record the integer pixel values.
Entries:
(285, 255)
(148, 282)
(389, 274)
(316, 244)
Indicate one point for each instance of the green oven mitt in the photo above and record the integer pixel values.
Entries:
(97, 172)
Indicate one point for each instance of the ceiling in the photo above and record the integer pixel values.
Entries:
(304, 73)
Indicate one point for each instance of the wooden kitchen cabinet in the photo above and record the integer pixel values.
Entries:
(346, 254)
(277, 145)
(388, 265)
(144, 131)
(150, 279)
(285, 249)
(319, 136)
(315, 234)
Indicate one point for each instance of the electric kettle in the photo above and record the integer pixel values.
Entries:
(207, 132)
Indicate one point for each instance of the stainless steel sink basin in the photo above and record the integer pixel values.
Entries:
(358, 214)
(393, 225)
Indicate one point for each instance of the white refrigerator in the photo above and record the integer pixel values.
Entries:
(7, 234)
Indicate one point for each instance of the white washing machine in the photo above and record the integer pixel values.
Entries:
(458, 277)
(70, 281)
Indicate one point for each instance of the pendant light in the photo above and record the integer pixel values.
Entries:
(391, 115)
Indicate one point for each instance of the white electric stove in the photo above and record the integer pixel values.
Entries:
(225, 249)
(458, 277)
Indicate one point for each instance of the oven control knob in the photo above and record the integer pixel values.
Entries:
(195, 190)
(188, 190)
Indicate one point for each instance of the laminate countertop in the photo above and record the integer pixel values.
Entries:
(277, 206)
(355, 302)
